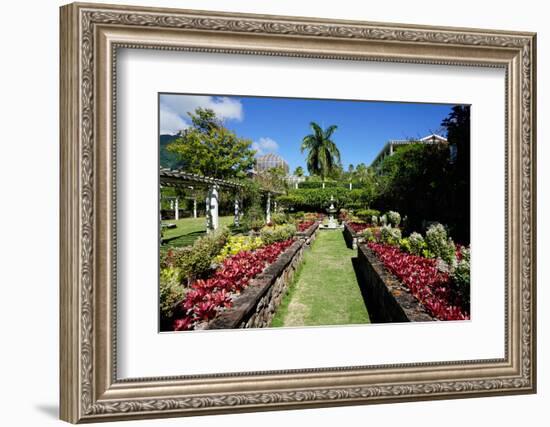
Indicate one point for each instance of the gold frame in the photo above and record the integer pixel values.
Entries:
(90, 36)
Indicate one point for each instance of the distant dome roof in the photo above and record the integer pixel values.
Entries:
(269, 161)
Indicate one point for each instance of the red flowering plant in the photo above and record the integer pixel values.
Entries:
(432, 287)
(358, 227)
(304, 225)
(207, 297)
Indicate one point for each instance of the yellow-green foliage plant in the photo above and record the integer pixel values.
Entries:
(236, 244)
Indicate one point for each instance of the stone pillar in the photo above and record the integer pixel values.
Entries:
(177, 211)
(207, 212)
(391, 149)
(237, 217)
(350, 186)
(268, 208)
(214, 207)
(296, 185)
(194, 207)
(323, 184)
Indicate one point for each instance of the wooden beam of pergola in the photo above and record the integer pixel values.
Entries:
(179, 178)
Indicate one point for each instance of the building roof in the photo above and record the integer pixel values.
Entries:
(428, 139)
(270, 160)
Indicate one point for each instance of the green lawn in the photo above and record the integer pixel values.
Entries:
(325, 289)
(188, 230)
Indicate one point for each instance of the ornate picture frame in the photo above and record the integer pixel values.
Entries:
(90, 37)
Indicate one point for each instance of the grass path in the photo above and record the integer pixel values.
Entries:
(189, 229)
(324, 290)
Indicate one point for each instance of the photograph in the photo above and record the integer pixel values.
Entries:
(270, 209)
(296, 212)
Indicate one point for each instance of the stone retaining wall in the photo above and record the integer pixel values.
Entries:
(350, 236)
(387, 299)
(310, 234)
(256, 305)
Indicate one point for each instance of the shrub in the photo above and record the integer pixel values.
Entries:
(368, 235)
(196, 261)
(277, 233)
(405, 245)
(279, 218)
(254, 218)
(367, 214)
(171, 290)
(389, 235)
(394, 218)
(461, 274)
(236, 244)
(417, 243)
(299, 215)
(440, 245)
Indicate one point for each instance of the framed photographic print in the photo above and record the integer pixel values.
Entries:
(266, 212)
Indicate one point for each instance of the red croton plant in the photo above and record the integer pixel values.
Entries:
(358, 227)
(421, 276)
(304, 225)
(206, 297)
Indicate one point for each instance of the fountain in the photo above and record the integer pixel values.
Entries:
(332, 223)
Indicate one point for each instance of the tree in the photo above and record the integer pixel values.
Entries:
(323, 155)
(362, 172)
(457, 124)
(299, 171)
(209, 148)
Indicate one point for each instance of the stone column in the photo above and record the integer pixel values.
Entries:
(323, 184)
(177, 211)
(207, 212)
(296, 185)
(268, 208)
(391, 149)
(214, 207)
(237, 217)
(350, 186)
(194, 207)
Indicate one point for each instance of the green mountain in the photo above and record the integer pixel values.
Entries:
(167, 159)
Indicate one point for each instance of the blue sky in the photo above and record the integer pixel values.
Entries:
(278, 125)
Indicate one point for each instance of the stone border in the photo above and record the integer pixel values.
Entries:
(256, 305)
(387, 299)
(350, 236)
(310, 234)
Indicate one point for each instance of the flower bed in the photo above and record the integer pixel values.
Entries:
(358, 227)
(304, 225)
(431, 287)
(207, 298)
(352, 232)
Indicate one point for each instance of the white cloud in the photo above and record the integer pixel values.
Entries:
(174, 109)
(171, 122)
(265, 145)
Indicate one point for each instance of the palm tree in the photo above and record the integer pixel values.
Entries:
(323, 155)
(299, 171)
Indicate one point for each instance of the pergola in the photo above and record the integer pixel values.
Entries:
(181, 179)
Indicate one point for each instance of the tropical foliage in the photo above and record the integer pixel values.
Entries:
(323, 156)
(209, 148)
